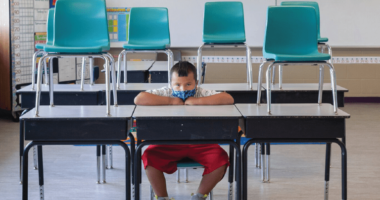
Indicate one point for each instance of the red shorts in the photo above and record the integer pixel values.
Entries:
(165, 157)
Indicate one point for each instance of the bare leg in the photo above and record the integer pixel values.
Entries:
(157, 180)
(210, 180)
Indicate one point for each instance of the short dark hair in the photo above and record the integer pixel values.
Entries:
(182, 68)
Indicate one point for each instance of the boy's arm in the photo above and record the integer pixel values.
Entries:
(217, 99)
(148, 99)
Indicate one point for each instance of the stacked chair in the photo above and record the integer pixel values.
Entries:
(73, 32)
(321, 41)
(294, 46)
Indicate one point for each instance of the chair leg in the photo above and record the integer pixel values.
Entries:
(151, 193)
(280, 76)
(82, 73)
(169, 53)
(45, 73)
(91, 62)
(178, 175)
(249, 65)
(320, 86)
(35, 157)
(186, 175)
(269, 87)
(273, 75)
(211, 195)
(98, 163)
(199, 64)
(113, 75)
(333, 86)
(259, 83)
(34, 67)
(125, 67)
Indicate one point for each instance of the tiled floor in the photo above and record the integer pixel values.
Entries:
(297, 171)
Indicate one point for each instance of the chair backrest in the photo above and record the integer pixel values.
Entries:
(81, 23)
(149, 25)
(50, 27)
(291, 30)
(306, 3)
(224, 19)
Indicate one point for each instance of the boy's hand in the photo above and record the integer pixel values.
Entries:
(191, 101)
(176, 101)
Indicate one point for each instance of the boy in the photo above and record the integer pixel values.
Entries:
(162, 158)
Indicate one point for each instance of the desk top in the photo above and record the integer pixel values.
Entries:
(66, 88)
(135, 66)
(290, 111)
(141, 86)
(186, 111)
(47, 112)
(292, 87)
(229, 86)
(161, 66)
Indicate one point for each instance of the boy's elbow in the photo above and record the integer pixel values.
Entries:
(231, 100)
(139, 100)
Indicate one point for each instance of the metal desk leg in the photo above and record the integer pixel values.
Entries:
(41, 172)
(344, 170)
(110, 156)
(104, 163)
(106, 155)
(327, 170)
(245, 165)
(21, 146)
(256, 155)
(98, 163)
(263, 162)
(132, 144)
(231, 173)
(267, 167)
(25, 172)
(35, 157)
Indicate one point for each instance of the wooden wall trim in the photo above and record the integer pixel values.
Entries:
(5, 61)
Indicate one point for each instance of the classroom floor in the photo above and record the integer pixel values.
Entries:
(297, 171)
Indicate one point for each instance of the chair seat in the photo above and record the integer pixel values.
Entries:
(61, 49)
(187, 163)
(146, 46)
(297, 58)
(40, 46)
(323, 40)
(222, 39)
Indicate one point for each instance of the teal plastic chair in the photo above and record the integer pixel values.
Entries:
(321, 41)
(148, 33)
(80, 29)
(295, 44)
(223, 25)
(184, 164)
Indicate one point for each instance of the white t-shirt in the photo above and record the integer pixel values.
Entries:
(167, 92)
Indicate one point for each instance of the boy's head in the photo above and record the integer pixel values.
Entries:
(183, 76)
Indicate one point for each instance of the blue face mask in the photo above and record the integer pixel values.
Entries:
(183, 94)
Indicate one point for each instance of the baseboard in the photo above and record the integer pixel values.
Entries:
(362, 100)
